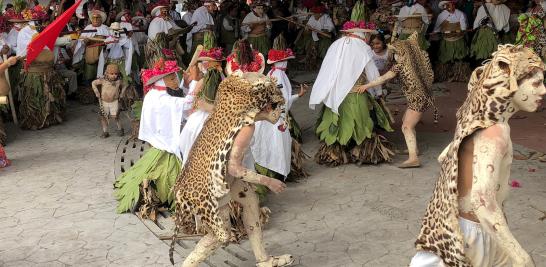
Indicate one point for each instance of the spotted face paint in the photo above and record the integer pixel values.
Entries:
(530, 93)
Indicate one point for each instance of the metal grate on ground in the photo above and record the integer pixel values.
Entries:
(129, 152)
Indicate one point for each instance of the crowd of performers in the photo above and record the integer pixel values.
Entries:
(220, 127)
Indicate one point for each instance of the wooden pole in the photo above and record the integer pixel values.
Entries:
(307, 27)
(10, 94)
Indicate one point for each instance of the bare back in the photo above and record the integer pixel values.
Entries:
(468, 156)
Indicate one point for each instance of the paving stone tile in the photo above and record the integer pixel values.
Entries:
(57, 205)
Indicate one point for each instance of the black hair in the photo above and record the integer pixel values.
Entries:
(381, 38)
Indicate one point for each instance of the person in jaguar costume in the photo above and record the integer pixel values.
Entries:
(465, 224)
(214, 175)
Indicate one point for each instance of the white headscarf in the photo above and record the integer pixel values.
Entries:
(345, 61)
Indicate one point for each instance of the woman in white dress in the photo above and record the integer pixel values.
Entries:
(272, 145)
(210, 63)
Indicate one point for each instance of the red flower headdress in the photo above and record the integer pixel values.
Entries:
(38, 12)
(318, 9)
(309, 3)
(10, 14)
(279, 55)
(160, 69)
(215, 53)
(351, 25)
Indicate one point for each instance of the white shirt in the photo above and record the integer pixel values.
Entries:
(203, 19)
(3, 40)
(102, 30)
(121, 48)
(11, 39)
(324, 23)
(187, 17)
(25, 37)
(500, 14)
(302, 14)
(159, 25)
(415, 9)
(174, 15)
(251, 18)
(226, 23)
(161, 119)
(454, 17)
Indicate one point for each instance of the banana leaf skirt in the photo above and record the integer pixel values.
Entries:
(484, 43)
(42, 99)
(157, 166)
(452, 50)
(260, 43)
(343, 136)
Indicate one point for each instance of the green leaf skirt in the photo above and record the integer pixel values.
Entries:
(260, 43)
(452, 50)
(158, 166)
(359, 116)
(483, 44)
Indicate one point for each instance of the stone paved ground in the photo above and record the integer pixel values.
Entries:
(57, 208)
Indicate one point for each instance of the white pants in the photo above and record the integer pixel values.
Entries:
(480, 249)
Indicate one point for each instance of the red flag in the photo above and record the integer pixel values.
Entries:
(48, 36)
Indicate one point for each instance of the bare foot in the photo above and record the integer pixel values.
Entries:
(410, 163)
(405, 152)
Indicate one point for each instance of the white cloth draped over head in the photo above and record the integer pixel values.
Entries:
(500, 15)
(159, 25)
(457, 16)
(343, 64)
(272, 148)
(324, 23)
(122, 49)
(161, 119)
(102, 30)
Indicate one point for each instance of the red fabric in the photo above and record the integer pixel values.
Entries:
(48, 36)
(277, 68)
(4, 161)
(159, 68)
(318, 9)
(215, 53)
(309, 3)
(278, 55)
(159, 88)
